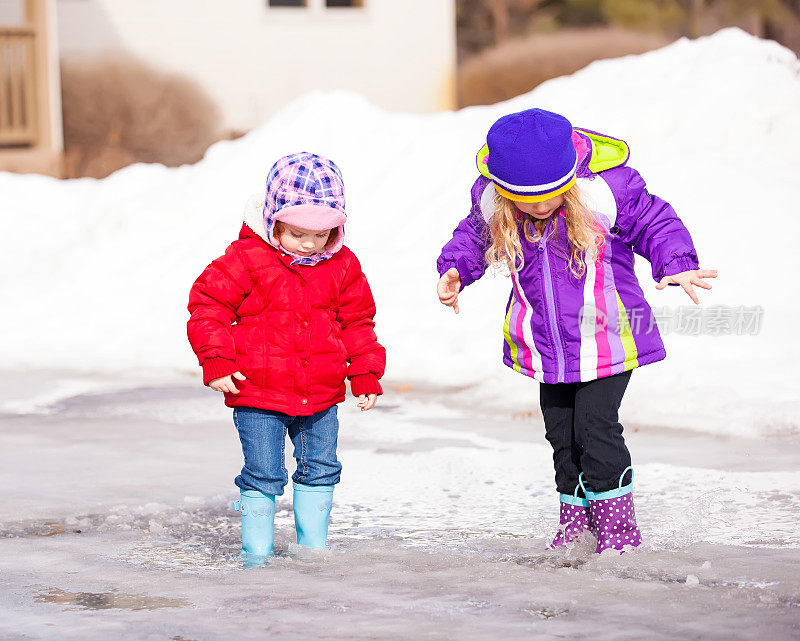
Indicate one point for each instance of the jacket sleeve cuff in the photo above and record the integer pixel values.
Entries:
(365, 384)
(677, 265)
(444, 265)
(217, 368)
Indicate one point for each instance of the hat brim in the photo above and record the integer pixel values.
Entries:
(311, 217)
(481, 160)
(533, 198)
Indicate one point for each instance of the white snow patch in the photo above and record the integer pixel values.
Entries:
(95, 274)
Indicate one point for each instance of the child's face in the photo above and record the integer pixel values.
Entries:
(542, 210)
(304, 242)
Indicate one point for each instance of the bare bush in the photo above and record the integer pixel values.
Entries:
(117, 112)
(519, 65)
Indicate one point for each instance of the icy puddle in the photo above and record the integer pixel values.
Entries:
(107, 600)
(383, 589)
(438, 531)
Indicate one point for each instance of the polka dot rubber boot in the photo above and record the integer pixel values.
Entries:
(574, 521)
(614, 520)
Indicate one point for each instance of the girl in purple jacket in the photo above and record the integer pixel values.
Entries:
(559, 208)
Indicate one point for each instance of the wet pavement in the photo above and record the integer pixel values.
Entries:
(117, 522)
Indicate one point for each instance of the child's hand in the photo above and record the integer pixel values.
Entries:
(448, 287)
(689, 278)
(225, 383)
(367, 402)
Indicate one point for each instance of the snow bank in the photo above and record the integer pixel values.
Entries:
(95, 274)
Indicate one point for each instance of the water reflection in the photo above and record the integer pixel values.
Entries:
(107, 600)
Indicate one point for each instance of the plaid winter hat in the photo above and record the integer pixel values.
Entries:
(529, 156)
(305, 190)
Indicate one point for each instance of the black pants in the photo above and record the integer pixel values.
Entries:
(581, 422)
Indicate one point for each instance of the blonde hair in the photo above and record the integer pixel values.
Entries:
(584, 233)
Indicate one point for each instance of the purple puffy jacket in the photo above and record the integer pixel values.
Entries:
(560, 329)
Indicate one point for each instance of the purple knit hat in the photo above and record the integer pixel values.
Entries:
(307, 191)
(529, 156)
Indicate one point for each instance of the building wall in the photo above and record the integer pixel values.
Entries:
(253, 59)
(44, 154)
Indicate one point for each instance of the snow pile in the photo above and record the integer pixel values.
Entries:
(95, 274)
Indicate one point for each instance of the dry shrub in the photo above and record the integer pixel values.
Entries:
(519, 65)
(117, 112)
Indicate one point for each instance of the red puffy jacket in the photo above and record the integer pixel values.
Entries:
(293, 331)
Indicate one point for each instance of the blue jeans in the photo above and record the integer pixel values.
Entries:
(263, 435)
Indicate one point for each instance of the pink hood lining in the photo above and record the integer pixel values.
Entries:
(254, 218)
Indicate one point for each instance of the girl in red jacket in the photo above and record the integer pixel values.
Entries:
(277, 323)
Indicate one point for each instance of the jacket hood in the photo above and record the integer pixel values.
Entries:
(264, 226)
(604, 151)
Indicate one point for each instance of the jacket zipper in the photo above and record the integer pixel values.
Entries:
(549, 295)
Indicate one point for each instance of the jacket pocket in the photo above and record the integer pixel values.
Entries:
(329, 372)
(251, 347)
(335, 338)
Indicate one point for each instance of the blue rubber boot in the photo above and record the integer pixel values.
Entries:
(312, 511)
(258, 526)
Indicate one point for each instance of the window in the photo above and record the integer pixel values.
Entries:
(12, 13)
(312, 5)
